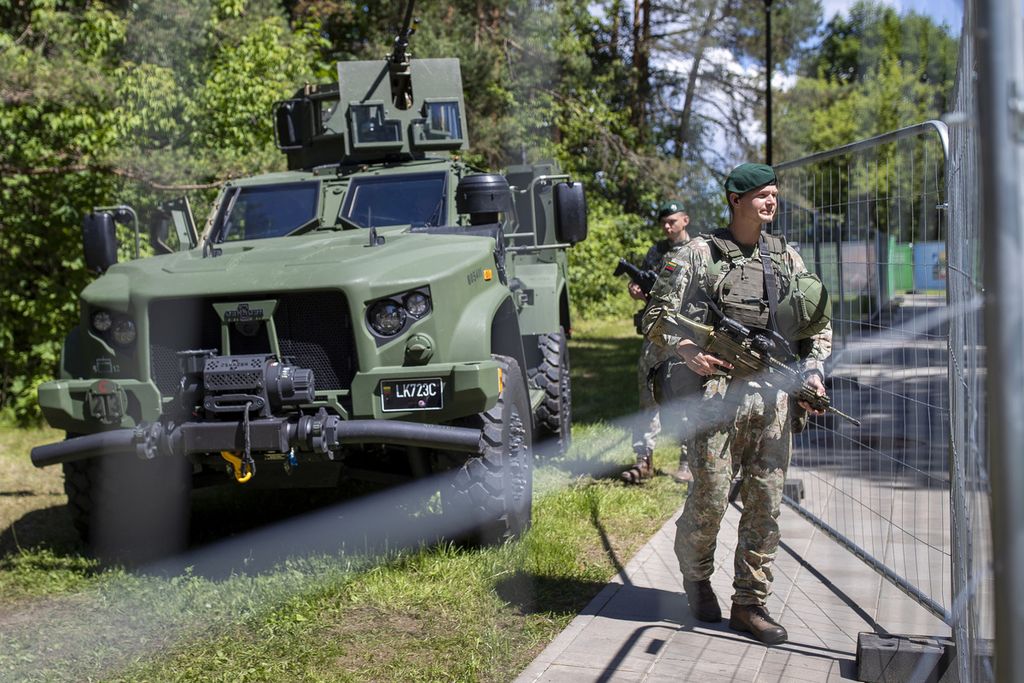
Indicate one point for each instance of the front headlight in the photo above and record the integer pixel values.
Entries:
(386, 318)
(417, 303)
(123, 332)
(102, 321)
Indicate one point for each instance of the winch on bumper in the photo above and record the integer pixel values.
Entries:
(258, 404)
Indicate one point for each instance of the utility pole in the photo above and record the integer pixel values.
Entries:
(768, 81)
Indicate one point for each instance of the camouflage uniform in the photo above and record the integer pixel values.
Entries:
(648, 423)
(738, 419)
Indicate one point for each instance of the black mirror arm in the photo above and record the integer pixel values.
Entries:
(122, 214)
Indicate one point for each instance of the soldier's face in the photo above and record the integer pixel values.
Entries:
(759, 204)
(674, 225)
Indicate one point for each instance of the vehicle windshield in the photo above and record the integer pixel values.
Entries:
(260, 211)
(408, 199)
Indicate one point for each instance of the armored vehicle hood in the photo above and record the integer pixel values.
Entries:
(315, 261)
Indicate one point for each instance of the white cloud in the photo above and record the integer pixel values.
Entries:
(949, 11)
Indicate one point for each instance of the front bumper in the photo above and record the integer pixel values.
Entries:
(87, 406)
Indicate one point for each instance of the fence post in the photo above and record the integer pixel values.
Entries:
(1001, 122)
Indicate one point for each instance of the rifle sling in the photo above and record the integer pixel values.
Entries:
(771, 287)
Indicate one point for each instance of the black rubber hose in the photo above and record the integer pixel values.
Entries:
(409, 434)
(116, 442)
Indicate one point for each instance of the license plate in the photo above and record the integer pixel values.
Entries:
(411, 394)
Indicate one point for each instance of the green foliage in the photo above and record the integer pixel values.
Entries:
(596, 292)
(876, 71)
(104, 105)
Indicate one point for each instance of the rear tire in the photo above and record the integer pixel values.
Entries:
(554, 415)
(491, 495)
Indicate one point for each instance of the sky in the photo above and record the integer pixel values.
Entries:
(942, 11)
(948, 11)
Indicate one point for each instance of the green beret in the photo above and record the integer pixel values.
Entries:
(669, 208)
(747, 177)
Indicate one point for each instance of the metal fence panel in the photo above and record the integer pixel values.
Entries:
(973, 618)
(891, 224)
(870, 219)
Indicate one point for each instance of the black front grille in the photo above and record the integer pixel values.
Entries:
(178, 325)
(313, 328)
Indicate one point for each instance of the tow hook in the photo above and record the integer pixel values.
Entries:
(242, 473)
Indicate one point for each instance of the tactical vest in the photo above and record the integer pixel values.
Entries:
(738, 288)
(737, 278)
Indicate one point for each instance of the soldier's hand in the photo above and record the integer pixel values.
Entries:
(636, 292)
(697, 361)
(814, 382)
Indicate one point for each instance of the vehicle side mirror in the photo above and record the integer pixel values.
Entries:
(570, 213)
(99, 241)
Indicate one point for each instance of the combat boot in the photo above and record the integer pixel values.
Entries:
(755, 619)
(703, 602)
(683, 474)
(643, 469)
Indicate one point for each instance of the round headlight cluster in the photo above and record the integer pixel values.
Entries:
(387, 318)
(390, 316)
(114, 327)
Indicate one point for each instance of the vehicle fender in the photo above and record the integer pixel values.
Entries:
(488, 325)
(543, 286)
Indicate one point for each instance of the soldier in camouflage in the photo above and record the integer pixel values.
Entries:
(674, 221)
(742, 419)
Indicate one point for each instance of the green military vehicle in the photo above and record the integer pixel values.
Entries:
(381, 310)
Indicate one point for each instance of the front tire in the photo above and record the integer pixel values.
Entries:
(491, 495)
(129, 510)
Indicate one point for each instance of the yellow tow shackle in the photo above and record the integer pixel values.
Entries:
(236, 465)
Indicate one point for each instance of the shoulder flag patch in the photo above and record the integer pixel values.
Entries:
(671, 266)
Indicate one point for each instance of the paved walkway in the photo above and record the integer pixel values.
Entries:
(639, 628)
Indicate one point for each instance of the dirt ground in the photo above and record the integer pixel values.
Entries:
(33, 507)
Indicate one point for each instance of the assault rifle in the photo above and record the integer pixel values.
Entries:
(645, 279)
(750, 353)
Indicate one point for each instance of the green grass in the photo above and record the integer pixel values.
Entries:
(437, 613)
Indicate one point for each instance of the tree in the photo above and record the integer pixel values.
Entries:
(876, 71)
(712, 79)
(105, 103)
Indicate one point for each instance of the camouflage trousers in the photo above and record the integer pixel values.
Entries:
(748, 425)
(648, 423)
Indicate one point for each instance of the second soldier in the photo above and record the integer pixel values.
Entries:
(674, 221)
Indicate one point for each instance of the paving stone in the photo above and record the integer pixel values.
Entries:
(560, 673)
(640, 629)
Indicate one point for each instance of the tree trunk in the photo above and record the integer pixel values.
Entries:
(641, 66)
(691, 80)
(613, 39)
